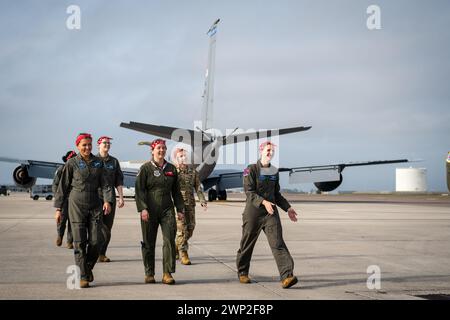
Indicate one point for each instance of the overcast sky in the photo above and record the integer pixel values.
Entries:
(368, 94)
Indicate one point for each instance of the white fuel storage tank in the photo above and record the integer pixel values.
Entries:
(411, 180)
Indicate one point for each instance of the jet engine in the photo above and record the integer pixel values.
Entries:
(327, 186)
(22, 179)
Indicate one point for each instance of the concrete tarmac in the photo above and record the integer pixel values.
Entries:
(334, 242)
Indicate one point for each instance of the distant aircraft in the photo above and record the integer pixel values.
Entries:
(215, 181)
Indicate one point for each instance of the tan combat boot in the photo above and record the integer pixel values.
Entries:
(185, 258)
(69, 245)
(103, 258)
(289, 282)
(58, 241)
(168, 279)
(84, 284)
(243, 278)
(150, 279)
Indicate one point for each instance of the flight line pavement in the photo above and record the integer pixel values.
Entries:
(335, 241)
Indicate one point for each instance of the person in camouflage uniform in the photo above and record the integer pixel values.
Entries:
(61, 225)
(189, 182)
(157, 189)
(115, 180)
(81, 178)
(262, 187)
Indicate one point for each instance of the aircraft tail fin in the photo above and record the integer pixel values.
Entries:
(208, 93)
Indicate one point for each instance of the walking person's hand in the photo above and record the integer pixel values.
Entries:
(180, 215)
(58, 216)
(204, 205)
(120, 203)
(269, 206)
(292, 214)
(106, 208)
(144, 215)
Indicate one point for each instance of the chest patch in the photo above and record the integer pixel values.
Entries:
(169, 174)
(272, 177)
(156, 173)
(109, 166)
(96, 164)
(82, 165)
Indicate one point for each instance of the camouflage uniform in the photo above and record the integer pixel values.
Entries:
(61, 226)
(189, 181)
(263, 184)
(155, 189)
(114, 176)
(79, 184)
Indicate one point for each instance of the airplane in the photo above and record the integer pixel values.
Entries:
(217, 181)
(206, 150)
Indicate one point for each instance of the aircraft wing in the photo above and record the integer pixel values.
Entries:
(260, 134)
(29, 170)
(227, 179)
(331, 172)
(36, 168)
(159, 131)
(167, 132)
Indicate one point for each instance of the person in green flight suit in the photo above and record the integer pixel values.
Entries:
(262, 188)
(81, 178)
(189, 182)
(157, 189)
(61, 226)
(115, 180)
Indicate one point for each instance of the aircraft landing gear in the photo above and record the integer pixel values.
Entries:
(212, 195)
(222, 195)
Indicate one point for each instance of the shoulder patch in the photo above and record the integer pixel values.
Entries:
(246, 171)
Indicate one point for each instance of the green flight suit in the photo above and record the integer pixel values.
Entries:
(155, 188)
(189, 181)
(263, 184)
(61, 226)
(80, 181)
(114, 176)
